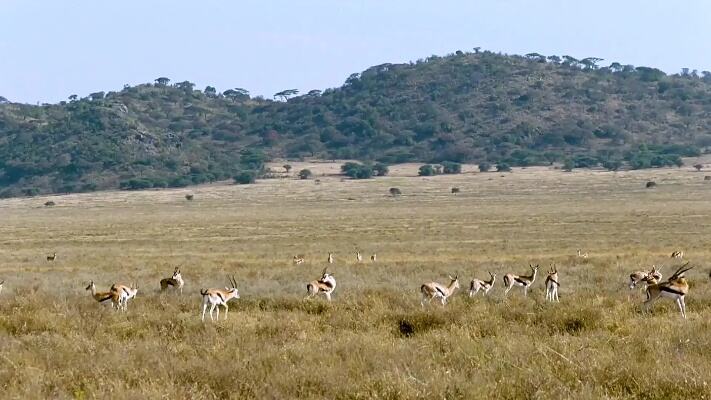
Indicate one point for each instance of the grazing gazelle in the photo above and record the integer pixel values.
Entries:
(374, 257)
(175, 281)
(125, 294)
(434, 290)
(299, 259)
(218, 297)
(581, 254)
(325, 285)
(52, 257)
(525, 281)
(677, 254)
(552, 284)
(485, 286)
(359, 257)
(330, 258)
(676, 288)
(104, 296)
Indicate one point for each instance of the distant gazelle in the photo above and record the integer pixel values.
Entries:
(525, 281)
(434, 290)
(102, 297)
(677, 254)
(480, 285)
(324, 285)
(299, 259)
(374, 257)
(581, 254)
(175, 281)
(676, 288)
(330, 258)
(552, 284)
(359, 257)
(1, 283)
(52, 257)
(218, 297)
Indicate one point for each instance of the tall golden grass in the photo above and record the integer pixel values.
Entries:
(374, 340)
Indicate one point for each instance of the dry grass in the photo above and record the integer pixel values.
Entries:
(373, 340)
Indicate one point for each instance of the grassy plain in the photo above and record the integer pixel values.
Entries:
(373, 340)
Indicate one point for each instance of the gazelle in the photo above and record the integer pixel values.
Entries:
(218, 297)
(101, 297)
(677, 254)
(52, 257)
(581, 254)
(643, 276)
(485, 286)
(552, 284)
(299, 259)
(125, 294)
(1, 283)
(434, 290)
(325, 285)
(655, 273)
(175, 281)
(374, 257)
(330, 258)
(359, 257)
(676, 288)
(525, 281)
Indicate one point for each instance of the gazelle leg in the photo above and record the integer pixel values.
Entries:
(204, 308)
(212, 308)
(226, 309)
(682, 306)
(328, 296)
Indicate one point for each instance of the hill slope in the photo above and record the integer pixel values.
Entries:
(463, 107)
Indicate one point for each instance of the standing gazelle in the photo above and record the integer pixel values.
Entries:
(325, 285)
(485, 286)
(218, 297)
(330, 258)
(677, 254)
(125, 294)
(359, 257)
(175, 281)
(676, 287)
(1, 283)
(52, 257)
(434, 290)
(552, 284)
(104, 296)
(374, 257)
(525, 281)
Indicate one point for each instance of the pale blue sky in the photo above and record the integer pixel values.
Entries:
(50, 49)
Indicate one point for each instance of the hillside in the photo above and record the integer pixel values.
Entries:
(473, 107)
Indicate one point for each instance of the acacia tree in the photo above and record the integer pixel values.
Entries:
(285, 94)
(162, 81)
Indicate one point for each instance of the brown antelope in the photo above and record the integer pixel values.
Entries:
(374, 257)
(434, 290)
(175, 281)
(125, 294)
(218, 297)
(676, 288)
(324, 285)
(485, 286)
(330, 258)
(52, 257)
(581, 254)
(525, 281)
(552, 284)
(298, 259)
(677, 254)
(101, 297)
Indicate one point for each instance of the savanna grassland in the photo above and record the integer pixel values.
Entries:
(373, 340)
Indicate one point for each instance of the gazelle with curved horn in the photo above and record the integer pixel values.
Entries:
(434, 290)
(103, 297)
(676, 288)
(481, 285)
(218, 297)
(552, 284)
(525, 281)
(175, 281)
(324, 285)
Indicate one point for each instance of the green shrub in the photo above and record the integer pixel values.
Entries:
(426, 170)
(245, 177)
(305, 174)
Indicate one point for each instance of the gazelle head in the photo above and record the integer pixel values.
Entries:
(493, 276)
(534, 269)
(655, 272)
(553, 270)
(233, 289)
(91, 285)
(176, 274)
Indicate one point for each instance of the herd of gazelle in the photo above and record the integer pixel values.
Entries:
(300, 258)
(675, 288)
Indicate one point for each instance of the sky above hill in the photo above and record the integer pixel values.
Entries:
(52, 49)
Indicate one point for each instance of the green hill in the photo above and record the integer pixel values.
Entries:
(521, 110)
